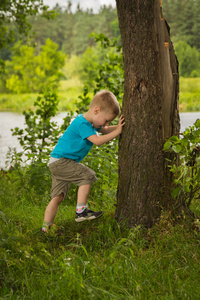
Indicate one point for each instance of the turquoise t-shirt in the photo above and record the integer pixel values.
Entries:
(73, 143)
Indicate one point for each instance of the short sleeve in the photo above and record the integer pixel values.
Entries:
(86, 130)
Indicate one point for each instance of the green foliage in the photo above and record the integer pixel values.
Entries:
(111, 72)
(100, 67)
(189, 59)
(13, 20)
(40, 134)
(72, 67)
(71, 30)
(29, 167)
(16, 11)
(27, 72)
(90, 61)
(115, 29)
(186, 164)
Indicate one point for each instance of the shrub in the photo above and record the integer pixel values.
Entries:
(186, 164)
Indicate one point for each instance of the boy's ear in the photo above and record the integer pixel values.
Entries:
(97, 110)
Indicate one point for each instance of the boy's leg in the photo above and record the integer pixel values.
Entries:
(82, 196)
(82, 213)
(51, 211)
(83, 193)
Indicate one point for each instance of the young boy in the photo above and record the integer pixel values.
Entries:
(72, 147)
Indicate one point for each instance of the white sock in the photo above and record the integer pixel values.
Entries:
(46, 226)
(81, 207)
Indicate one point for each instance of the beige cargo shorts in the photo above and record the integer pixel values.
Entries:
(66, 171)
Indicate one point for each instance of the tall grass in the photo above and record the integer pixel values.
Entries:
(93, 260)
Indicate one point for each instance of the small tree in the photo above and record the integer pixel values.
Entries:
(37, 141)
(40, 134)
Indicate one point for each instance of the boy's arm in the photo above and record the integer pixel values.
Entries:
(99, 140)
(108, 129)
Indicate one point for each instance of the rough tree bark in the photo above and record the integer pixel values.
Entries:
(150, 108)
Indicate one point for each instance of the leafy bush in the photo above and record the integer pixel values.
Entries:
(100, 67)
(90, 61)
(40, 134)
(29, 167)
(186, 165)
(111, 72)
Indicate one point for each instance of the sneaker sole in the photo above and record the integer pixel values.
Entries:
(82, 219)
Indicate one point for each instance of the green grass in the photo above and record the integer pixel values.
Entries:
(96, 260)
(190, 85)
(189, 94)
(92, 260)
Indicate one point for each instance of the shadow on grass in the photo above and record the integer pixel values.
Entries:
(94, 234)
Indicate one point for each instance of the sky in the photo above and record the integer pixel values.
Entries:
(84, 4)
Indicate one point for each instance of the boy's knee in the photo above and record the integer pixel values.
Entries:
(59, 198)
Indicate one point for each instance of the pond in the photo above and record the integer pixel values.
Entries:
(9, 120)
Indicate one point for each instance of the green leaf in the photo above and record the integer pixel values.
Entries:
(184, 142)
(197, 123)
(3, 217)
(175, 192)
(167, 145)
(174, 139)
(176, 148)
(186, 188)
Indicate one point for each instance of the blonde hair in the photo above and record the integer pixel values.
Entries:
(106, 100)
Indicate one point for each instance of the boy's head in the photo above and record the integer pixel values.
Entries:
(107, 102)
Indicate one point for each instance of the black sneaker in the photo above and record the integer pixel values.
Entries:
(88, 215)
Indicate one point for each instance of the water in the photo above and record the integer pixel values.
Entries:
(10, 120)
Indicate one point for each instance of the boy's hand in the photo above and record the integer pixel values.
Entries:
(107, 136)
(120, 125)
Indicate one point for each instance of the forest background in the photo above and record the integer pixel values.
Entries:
(63, 51)
(101, 260)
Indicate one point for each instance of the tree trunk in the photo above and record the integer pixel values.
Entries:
(150, 108)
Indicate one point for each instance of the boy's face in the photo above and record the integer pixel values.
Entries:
(102, 118)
